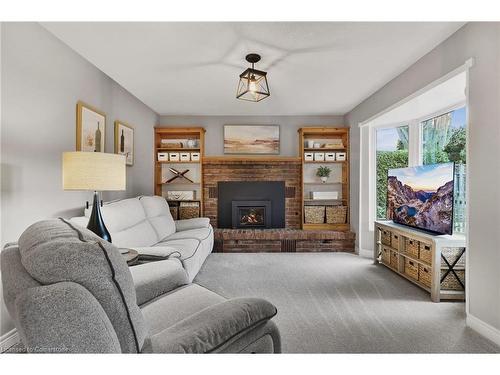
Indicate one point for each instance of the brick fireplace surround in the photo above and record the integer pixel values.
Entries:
(289, 239)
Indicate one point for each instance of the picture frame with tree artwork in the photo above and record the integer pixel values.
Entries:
(90, 128)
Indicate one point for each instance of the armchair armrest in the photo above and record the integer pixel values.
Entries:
(199, 222)
(213, 327)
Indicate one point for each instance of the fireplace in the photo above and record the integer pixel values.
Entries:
(251, 214)
(251, 204)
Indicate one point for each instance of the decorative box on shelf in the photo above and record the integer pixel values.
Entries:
(340, 156)
(308, 156)
(329, 156)
(195, 156)
(189, 210)
(163, 156)
(319, 156)
(322, 195)
(181, 195)
(173, 156)
(185, 156)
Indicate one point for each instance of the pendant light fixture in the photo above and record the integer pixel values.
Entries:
(253, 83)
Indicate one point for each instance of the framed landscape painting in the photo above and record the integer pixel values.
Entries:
(252, 139)
(90, 128)
(124, 141)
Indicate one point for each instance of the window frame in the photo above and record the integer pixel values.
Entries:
(415, 150)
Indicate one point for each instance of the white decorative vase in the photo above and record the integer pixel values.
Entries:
(324, 179)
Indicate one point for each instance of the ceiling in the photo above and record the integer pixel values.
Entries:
(314, 68)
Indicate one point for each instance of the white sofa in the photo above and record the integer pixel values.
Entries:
(146, 225)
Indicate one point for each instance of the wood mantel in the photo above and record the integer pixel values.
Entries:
(250, 159)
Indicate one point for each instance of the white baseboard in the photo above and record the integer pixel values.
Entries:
(8, 340)
(484, 329)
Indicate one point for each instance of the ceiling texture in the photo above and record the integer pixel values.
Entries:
(192, 68)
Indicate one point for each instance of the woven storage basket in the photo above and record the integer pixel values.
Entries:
(412, 247)
(411, 269)
(314, 214)
(386, 255)
(451, 254)
(395, 241)
(174, 210)
(189, 212)
(425, 275)
(394, 260)
(385, 237)
(425, 253)
(450, 282)
(336, 214)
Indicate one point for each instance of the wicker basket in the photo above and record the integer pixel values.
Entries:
(412, 247)
(425, 275)
(425, 253)
(189, 211)
(411, 269)
(174, 210)
(385, 237)
(450, 282)
(386, 255)
(451, 254)
(336, 214)
(394, 260)
(314, 214)
(395, 241)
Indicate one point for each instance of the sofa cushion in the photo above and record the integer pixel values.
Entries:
(213, 327)
(194, 223)
(177, 305)
(200, 234)
(156, 278)
(54, 251)
(127, 223)
(185, 247)
(158, 214)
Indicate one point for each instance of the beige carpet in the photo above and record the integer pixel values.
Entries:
(342, 303)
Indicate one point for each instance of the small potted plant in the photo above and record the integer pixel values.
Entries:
(323, 172)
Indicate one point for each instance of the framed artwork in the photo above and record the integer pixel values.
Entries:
(90, 128)
(251, 139)
(124, 141)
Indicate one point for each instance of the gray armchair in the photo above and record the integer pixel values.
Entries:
(69, 291)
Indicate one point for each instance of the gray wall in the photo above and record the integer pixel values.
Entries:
(42, 80)
(289, 145)
(480, 41)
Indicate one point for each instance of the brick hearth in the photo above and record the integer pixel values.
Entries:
(291, 239)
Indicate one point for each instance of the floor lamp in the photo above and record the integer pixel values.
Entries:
(94, 171)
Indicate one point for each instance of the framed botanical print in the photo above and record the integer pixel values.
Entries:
(90, 128)
(124, 141)
(251, 139)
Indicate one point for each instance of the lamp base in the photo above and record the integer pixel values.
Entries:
(96, 223)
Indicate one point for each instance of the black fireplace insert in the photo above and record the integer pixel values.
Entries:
(251, 214)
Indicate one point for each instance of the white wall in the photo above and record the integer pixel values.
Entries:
(214, 141)
(482, 42)
(42, 80)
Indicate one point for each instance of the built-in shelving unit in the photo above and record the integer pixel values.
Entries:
(339, 178)
(190, 140)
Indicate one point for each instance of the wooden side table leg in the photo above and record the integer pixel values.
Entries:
(436, 274)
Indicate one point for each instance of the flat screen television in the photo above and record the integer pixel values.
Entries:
(422, 197)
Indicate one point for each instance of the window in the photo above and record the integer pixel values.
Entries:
(444, 140)
(392, 152)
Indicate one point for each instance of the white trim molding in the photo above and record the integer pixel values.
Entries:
(484, 329)
(8, 340)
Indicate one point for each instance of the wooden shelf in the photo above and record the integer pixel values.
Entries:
(324, 162)
(177, 135)
(177, 149)
(325, 134)
(324, 149)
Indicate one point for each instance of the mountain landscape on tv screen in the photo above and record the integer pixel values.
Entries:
(427, 209)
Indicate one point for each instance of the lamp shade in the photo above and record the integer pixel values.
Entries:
(96, 171)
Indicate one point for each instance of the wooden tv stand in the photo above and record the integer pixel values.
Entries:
(436, 263)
